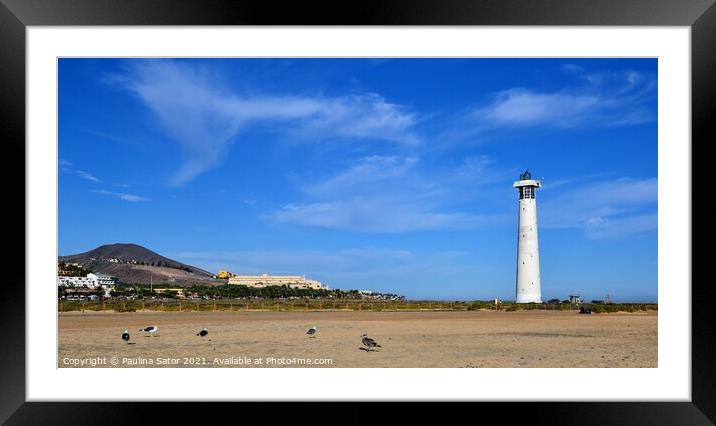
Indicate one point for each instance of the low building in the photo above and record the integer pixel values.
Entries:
(223, 275)
(266, 280)
(91, 281)
(76, 282)
(103, 279)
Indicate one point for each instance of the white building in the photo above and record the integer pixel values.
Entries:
(107, 282)
(103, 279)
(76, 282)
(266, 280)
(528, 275)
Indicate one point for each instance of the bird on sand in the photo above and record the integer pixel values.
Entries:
(152, 329)
(125, 336)
(312, 331)
(203, 333)
(369, 343)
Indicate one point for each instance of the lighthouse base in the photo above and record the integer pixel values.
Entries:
(529, 298)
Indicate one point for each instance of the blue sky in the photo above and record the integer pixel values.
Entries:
(383, 174)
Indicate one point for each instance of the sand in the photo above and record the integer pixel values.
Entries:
(408, 339)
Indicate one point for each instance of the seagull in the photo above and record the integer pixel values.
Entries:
(312, 331)
(369, 343)
(151, 329)
(125, 336)
(203, 332)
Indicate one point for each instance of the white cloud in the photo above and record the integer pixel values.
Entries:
(67, 167)
(525, 107)
(85, 175)
(610, 228)
(607, 99)
(368, 170)
(120, 195)
(204, 118)
(605, 209)
(390, 194)
(572, 68)
(378, 214)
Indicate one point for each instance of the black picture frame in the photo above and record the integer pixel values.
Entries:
(16, 15)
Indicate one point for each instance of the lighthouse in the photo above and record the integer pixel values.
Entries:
(528, 278)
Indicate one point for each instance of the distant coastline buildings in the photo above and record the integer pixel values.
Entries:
(90, 282)
(266, 280)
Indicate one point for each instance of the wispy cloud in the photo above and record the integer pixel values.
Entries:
(378, 215)
(67, 167)
(388, 194)
(610, 228)
(371, 170)
(604, 100)
(120, 195)
(204, 118)
(605, 209)
(85, 175)
(573, 68)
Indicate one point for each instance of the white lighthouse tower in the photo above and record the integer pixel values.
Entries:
(528, 277)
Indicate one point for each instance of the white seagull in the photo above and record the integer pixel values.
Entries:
(125, 336)
(369, 343)
(312, 331)
(151, 329)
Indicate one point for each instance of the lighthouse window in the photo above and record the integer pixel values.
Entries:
(527, 192)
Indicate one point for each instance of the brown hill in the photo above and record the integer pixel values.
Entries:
(132, 263)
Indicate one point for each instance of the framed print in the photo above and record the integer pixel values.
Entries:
(458, 202)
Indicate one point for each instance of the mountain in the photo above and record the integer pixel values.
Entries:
(132, 263)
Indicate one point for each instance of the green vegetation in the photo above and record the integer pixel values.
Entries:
(159, 263)
(556, 305)
(228, 291)
(173, 305)
(622, 307)
(477, 305)
(66, 270)
(308, 304)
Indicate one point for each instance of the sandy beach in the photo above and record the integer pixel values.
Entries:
(408, 339)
